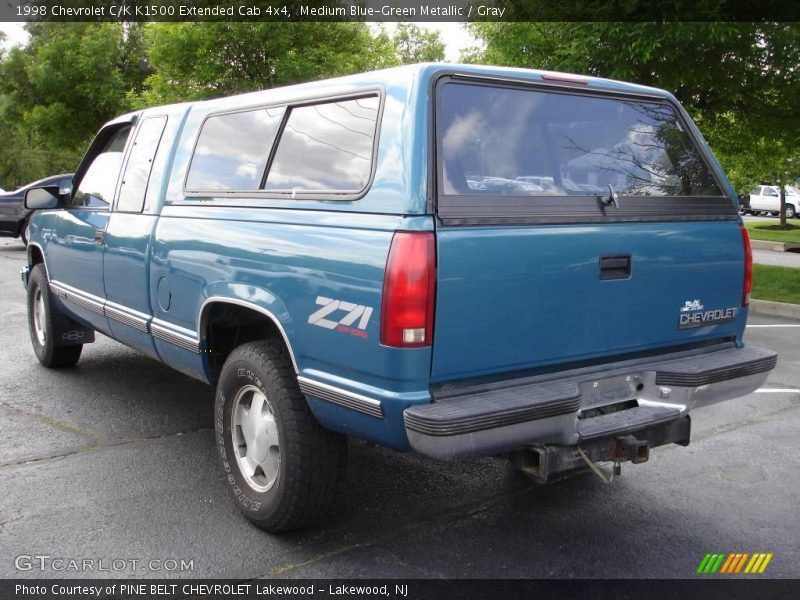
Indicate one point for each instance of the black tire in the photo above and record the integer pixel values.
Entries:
(791, 213)
(23, 232)
(312, 460)
(46, 349)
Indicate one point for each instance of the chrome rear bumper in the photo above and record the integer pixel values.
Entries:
(572, 407)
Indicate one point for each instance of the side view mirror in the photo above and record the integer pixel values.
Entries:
(41, 198)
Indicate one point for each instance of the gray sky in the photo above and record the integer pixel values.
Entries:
(15, 34)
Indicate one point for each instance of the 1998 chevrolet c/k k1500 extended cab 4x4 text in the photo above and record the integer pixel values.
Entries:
(456, 260)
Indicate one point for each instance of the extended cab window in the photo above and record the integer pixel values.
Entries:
(232, 150)
(326, 147)
(140, 162)
(96, 189)
(521, 142)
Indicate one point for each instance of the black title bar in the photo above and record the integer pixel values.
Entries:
(397, 10)
(707, 588)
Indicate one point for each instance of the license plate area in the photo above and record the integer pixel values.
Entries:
(612, 390)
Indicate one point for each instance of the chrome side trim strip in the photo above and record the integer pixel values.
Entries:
(335, 395)
(82, 299)
(127, 316)
(183, 338)
(163, 330)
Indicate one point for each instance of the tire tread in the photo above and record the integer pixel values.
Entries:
(312, 487)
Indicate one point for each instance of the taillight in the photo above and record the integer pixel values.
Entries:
(409, 289)
(748, 267)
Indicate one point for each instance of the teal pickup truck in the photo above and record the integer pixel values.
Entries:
(456, 260)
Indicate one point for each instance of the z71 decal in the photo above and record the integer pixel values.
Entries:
(354, 321)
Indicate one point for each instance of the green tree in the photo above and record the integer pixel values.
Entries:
(414, 44)
(750, 160)
(71, 77)
(59, 88)
(205, 60)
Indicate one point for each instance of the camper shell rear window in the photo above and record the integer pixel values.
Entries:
(537, 153)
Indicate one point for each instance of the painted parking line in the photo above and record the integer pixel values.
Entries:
(776, 391)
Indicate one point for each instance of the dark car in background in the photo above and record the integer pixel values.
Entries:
(14, 215)
(744, 204)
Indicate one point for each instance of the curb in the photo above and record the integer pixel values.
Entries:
(774, 246)
(776, 309)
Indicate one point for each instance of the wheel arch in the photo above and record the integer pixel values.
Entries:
(36, 256)
(222, 316)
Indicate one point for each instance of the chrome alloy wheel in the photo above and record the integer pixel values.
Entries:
(39, 317)
(255, 438)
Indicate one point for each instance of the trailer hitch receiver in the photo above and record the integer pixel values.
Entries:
(627, 447)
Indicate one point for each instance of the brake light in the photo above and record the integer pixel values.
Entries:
(409, 289)
(565, 77)
(748, 267)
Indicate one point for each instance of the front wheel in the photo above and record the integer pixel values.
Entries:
(282, 467)
(42, 319)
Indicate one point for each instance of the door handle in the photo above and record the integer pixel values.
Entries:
(99, 236)
(615, 266)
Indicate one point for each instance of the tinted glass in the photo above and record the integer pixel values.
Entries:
(65, 185)
(326, 147)
(505, 141)
(232, 150)
(137, 171)
(96, 189)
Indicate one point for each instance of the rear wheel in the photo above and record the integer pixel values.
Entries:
(42, 315)
(282, 467)
(791, 213)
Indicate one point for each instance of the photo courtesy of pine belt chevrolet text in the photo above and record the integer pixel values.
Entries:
(459, 261)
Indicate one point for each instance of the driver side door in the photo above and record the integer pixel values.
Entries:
(76, 242)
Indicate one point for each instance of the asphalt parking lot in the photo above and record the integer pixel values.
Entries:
(114, 459)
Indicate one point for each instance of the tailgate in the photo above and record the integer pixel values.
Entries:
(574, 225)
(510, 298)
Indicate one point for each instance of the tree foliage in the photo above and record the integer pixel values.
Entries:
(57, 90)
(204, 60)
(414, 44)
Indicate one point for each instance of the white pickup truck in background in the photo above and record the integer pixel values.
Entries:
(767, 199)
